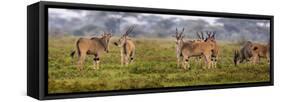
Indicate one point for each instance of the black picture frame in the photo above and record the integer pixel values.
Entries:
(37, 49)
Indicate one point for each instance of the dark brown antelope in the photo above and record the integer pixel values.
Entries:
(91, 46)
(127, 47)
(251, 52)
(188, 49)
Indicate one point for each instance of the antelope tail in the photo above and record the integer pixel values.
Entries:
(72, 53)
(77, 49)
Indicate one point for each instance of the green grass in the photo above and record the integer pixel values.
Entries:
(154, 67)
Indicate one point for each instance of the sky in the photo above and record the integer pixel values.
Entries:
(68, 14)
(83, 22)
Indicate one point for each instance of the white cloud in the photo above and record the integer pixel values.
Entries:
(66, 13)
(210, 20)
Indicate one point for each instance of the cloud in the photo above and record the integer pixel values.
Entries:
(66, 13)
(71, 13)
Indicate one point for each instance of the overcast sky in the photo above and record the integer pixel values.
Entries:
(68, 14)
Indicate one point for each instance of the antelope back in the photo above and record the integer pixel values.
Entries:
(260, 49)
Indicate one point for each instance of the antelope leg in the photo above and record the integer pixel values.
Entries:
(199, 59)
(215, 62)
(132, 57)
(94, 63)
(178, 62)
(97, 59)
(207, 61)
(81, 61)
(186, 63)
(122, 58)
(268, 59)
(98, 63)
(126, 60)
(255, 59)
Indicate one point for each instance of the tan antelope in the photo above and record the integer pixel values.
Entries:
(201, 38)
(127, 47)
(260, 51)
(211, 39)
(215, 52)
(188, 49)
(252, 52)
(179, 36)
(91, 46)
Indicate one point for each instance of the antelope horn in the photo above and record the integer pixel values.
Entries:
(177, 32)
(209, 34)
(182, 32)
(130, 29)
(202, 36)
(214, 33)
(198, 35)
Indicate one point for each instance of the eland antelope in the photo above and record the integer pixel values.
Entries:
(215, 52)
(188, 49)
(252, 52)
(93, 46)
(210, 39)
(127, 47)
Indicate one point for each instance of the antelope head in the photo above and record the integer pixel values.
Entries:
(179, 36)
(106, 37)
(122, 40)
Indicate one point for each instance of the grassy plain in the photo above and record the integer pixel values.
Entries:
(154, 67)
